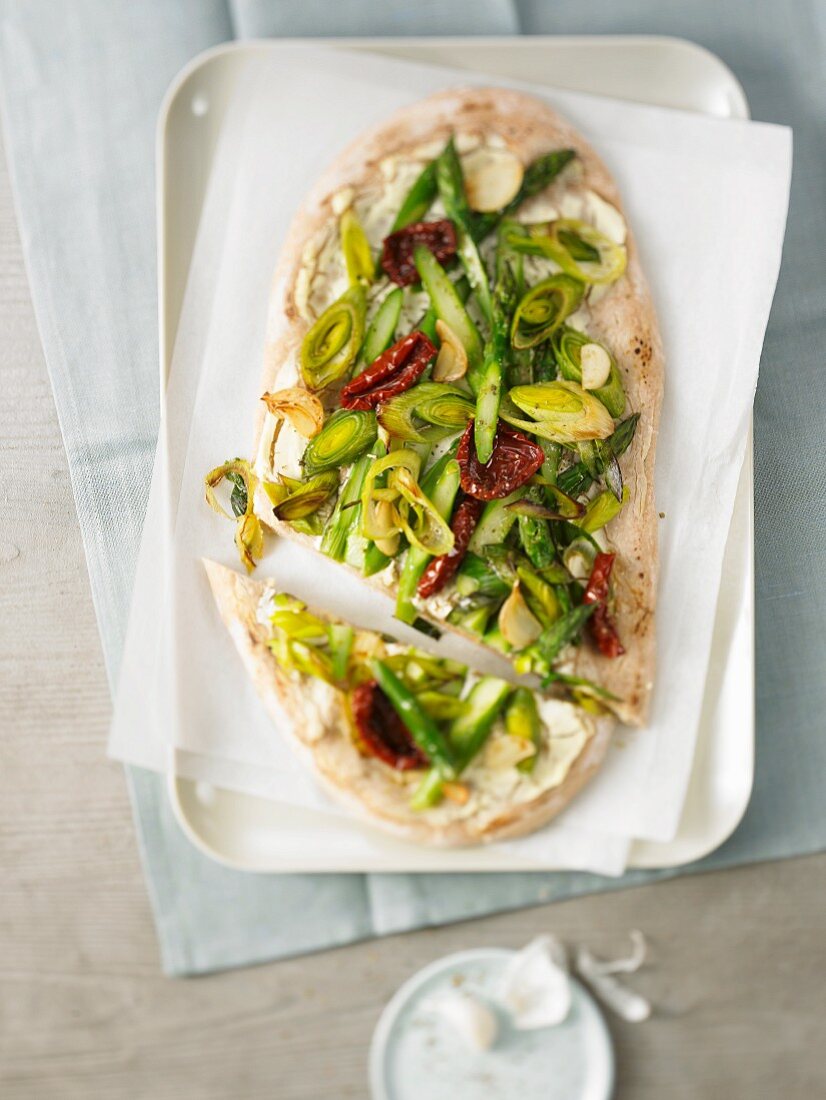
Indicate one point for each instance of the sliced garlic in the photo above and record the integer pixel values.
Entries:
(596, 366)
(517, 623)
(492, 178)
(300, 407)
(451, 362)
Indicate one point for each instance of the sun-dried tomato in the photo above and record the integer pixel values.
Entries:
(514, 461)
(601, 626)
(442, 569)
(393, 372)
(397, 254)
(381, 732)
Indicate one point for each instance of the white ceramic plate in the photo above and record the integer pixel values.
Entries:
(259, 835)
(415, 1054)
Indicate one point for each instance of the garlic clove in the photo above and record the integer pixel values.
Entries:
(473, 1020)
(596, 366)
(492, 178)
(451, 362)
(535, 986)
(517, 623)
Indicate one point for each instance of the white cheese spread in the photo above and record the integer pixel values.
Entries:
(492, 777)
(322, 276)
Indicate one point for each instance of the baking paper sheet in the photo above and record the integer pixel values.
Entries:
(707, 202)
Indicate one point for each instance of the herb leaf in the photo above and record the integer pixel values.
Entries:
(238, 499)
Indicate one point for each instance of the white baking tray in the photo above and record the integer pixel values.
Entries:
(259, 835)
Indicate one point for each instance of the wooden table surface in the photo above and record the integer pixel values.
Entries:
(737, 963)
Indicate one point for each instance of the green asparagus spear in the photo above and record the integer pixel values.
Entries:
(496, 354)
(620, 440)
(427, 325)
(447, 305)
(345, 513)
(383, 327)
(550, 467)
(476, 576)
(535, 534)
(497, 520)
(423, 729)
(451, 185)
(466, 736)
(468, 732)
(541, 596)
(577, 478)
(537, 177)
(419, 198)
(374, 560)
(474, 621)
(429, 791)
(539, 657)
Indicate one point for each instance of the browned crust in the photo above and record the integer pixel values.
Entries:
(364, 783)
(624, 318)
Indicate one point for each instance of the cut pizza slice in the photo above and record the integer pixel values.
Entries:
(462, 385)
(418, 744)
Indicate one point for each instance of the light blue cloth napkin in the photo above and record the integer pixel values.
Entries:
(81, 85)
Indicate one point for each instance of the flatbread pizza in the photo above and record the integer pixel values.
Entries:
(462, 385)
(417, 744)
